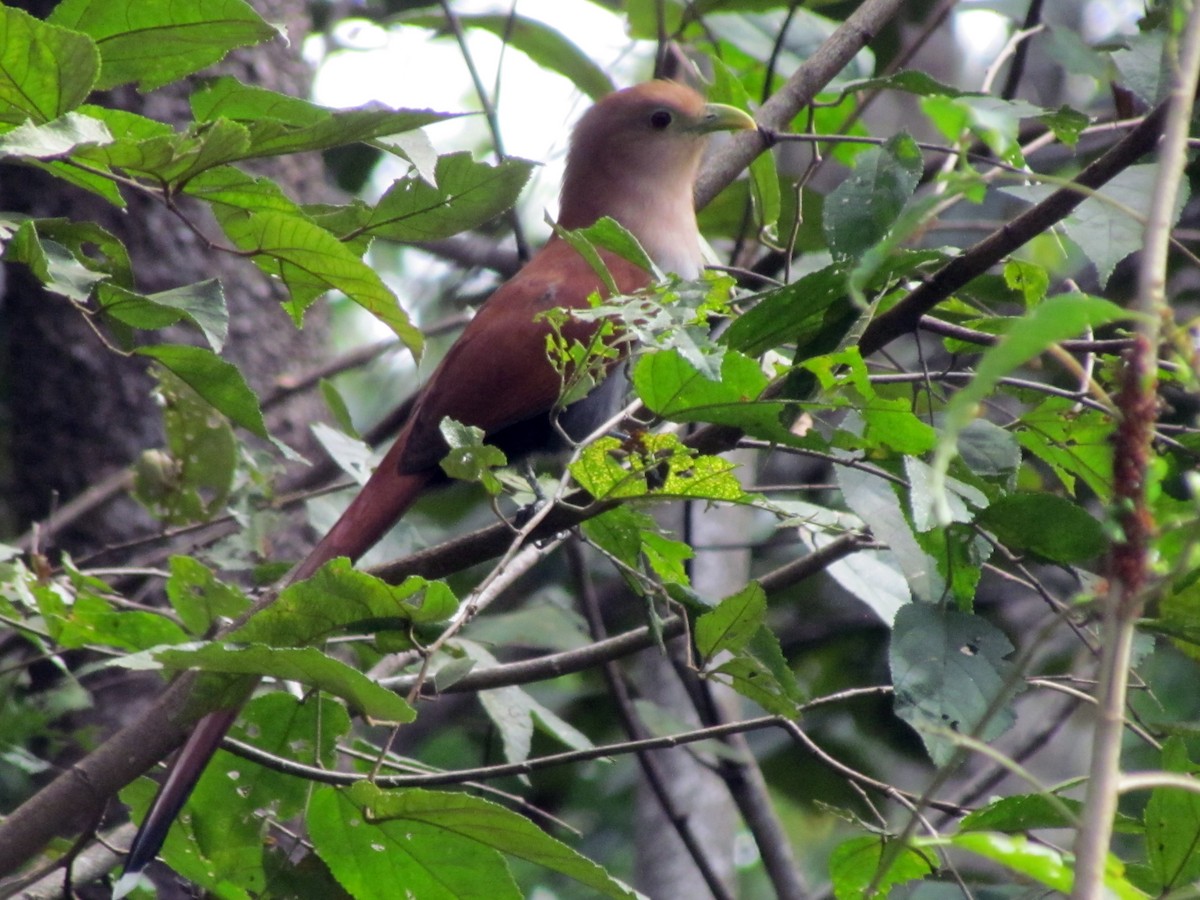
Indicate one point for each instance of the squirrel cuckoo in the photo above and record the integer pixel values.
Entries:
(633, 157)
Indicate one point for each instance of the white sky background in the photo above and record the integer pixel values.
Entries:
(406, 67)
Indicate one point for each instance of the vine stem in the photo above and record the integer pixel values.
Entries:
(1129, 566)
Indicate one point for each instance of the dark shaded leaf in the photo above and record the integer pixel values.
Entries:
(949, 669)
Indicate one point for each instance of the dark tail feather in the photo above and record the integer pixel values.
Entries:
(383, 500)
(184, 773)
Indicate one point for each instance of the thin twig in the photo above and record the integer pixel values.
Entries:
(1130, 559)
(656, 779)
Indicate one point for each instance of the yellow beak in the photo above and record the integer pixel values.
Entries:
(719, 117)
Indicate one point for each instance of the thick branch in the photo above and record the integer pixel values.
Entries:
(777, 113)
(905, 317)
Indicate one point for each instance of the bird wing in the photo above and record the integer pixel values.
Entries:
(498, 372)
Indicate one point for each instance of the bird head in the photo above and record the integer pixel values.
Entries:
(634, 157)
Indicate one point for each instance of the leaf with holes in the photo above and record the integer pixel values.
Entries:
(950, 676)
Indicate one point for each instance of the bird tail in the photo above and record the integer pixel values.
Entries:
(383, 499)
(185, 771)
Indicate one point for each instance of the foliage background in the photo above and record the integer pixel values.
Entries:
(903, 613)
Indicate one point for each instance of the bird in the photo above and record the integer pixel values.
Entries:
(633, 157)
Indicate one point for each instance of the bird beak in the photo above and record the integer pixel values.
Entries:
(719, 117)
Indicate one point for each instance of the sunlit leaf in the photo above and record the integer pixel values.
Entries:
(45, 70)
(855, 865)
(156, 43)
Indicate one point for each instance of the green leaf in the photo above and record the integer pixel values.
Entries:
(514, 713)
(465, 820)
(875, 502)
(340, 410)
(996, 121)
(862, 209)
(229, 189)
(542, 44)
(1030, 279)
(352, 455)
(58, 137)
(673, 387)
(761, 673)
(949, 669)
(199, 597)
(190, 480)
(215, 843)
(90, 620)
(1035, 860)
(1146, 65)
(1058, 318)
(1066, 123)
(657, 464)
(306, 665)
(96, 182)
(890, 422)
(144, 147)
(157, 43)
(960, 553)
(961, 499)
(467, 195)
(45, 70)
(1068, 47)
(618, 532)
(278, 124)
(218, 382)
(1074, 443)
(760, 30)
(908, 80)
(732, 623)
(371, 859)
(1050, 526)
(93, 247)
(1173, 823)
(873, 576)
(855, 864)
(304, 730)
(58, 268)
(667, 558)
(1107, 233)
(816, 304)
(989, 450)
(1027, 812)
(202, 304)
(312, 261)
(339, 597)
(609, 234)
(1109, 226)
(470, 458)
(587, 243)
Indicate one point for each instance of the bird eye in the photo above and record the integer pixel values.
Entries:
(660, 119)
